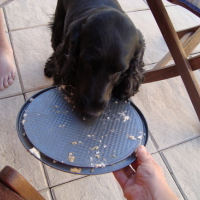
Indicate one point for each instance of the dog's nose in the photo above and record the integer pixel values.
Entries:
(92, 108)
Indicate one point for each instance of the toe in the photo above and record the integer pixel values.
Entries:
(5, 82)
(13, 74)
(1, 84)
(10, 79)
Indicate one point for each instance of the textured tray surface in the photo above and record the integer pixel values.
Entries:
(54, 128)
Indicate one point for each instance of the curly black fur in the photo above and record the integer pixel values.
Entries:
(97, 50)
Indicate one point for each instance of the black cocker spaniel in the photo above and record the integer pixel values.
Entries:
(97, 50)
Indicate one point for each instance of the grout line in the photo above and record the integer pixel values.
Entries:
(153, 140)
(47, 179)
(25, 92)
(53, 195)
(14, 95)
(60, 184)
(177, 144)
(38, 88)
(132, 11)
(173, 175)
(17, 29)
(15, 59)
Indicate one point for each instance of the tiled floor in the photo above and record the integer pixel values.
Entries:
(175, 128)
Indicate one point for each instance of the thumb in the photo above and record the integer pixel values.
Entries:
(143, 155)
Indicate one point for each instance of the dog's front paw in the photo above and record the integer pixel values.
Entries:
(49, 69)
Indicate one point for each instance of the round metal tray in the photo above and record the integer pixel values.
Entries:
(52, 130)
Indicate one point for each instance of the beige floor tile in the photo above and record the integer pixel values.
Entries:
(155, 45)
(183, 19)
(56, 177)
(32, 48)
(168, 177)
(27, 13)
(167, 3)
(100, 187)
(129, 5)
(150, 146)
(30, 94)
(12, 152)
(184, 163)
(168, 111)
(5, 26)
(46, 194)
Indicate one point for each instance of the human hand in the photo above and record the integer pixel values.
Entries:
(146, 181)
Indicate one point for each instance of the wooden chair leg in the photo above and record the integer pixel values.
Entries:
(177, 52)
(169, 71)
(19, 184)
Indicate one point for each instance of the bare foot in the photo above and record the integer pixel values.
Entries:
(7, 68)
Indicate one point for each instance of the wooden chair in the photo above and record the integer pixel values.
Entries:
(13, 186)
(180, 44)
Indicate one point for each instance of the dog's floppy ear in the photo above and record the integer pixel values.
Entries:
(133, 77)
(67, 53)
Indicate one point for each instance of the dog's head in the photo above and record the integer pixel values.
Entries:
(103, 57)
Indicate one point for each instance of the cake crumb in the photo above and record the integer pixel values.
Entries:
(75, 170)
(71, 158)
(131, 137)
(92, 170)
(74, 143)
(96, 147)
(126, 118)
(97, 156)
(35, 152)
(139, 137)
(100, 165)
(23, 121)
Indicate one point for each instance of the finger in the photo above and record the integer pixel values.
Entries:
(135, 164)
(142, 154)
(128, 171)
(121, 177)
